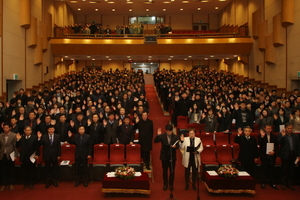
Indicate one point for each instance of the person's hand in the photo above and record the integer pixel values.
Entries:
(236, 106)
(89, 122)
(38, 121)
(255, 160)
(275, 116)
(262, 133)
(159, 131)
(174, 146)
(70, 134)
(203, 115)
(117, 117)
(101, 115)
(88, 157)
(104, 123)
(261, 116)
(283, 133)
(291, 116)
(21, 118)
(137, 119)
(36, 157)
(120, 122)
(219, 114)
(39, 134)
(72, 123)
(18, 136)
(271, 153)
(182, 137)
(70, 111)
(240, 131)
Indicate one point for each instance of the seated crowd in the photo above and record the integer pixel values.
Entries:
(225, 103)
(82, 108)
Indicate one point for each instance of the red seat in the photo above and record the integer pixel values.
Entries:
(182, 122)
(208, 138)
(222, 138)
(68, 153)
(133, 156)
(100, 154)
(224, 154)
(116, 155)
(236, 150)
(208, 159)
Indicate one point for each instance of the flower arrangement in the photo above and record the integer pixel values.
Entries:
(227, 171)
(125, 172)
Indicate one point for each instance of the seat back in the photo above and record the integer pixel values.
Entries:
(100, 154)
(209, 154)
(208, 138)
(222, 138)
(236, 150)
(133, 153)
(224, 154)
(116, 153)
(182, 122)
(68, 152)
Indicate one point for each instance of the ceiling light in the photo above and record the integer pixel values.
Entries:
(79, 9)
(110, 2)
(185, 59)
(212, 56)
(227, 58)
(169, 59)
(204, 1)
(147, 9)
(190, 56)
(167, 2)
(93, 59)
(72, 58)
(216, 7)
(164, 9)
(130, 10)
(107, 56)
(96, 9)
(171, 56)
(113, 10)
(88, 56)
(235, 56)
(222, 0)
(73, 1)
(66, 56)
(93, 2)
(185, 2)
(128, 56)
(205, 58)
(181, 8)
(109, 59)
(199, 8)
(83, 0)
(172, 0)
(149, 58)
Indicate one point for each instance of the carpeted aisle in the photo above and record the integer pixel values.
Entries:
(67, 191)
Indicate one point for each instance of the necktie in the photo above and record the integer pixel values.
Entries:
(192, 142)
(80, 141)
(169, 139)
(51, 139)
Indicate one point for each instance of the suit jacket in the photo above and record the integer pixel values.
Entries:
(186, 155)
(96, 132)
(51, 152)
(111, 132)
(285, 145)
(145, 134)
(277, 122)
(262, 142)
(62, 130)
(237, 114)
(43, 128)
(127, 105)
(28, 147)
(248, 149)
(83, 147)
(33, 126)
(126, 135)
(10, 145)
(165, 151)
(210, 126)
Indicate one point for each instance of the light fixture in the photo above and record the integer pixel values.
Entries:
(170, 59)
(93, 2)
(109, 59)
(181, 8)
(130, 10)
(198, 8)
(185, 59)
(147, 9)
(216, 7)
(110, 2)
(164, 9)
(227, 58)
(204, 1)
(222, 0)
(235, 56)
(93, 59)
(113, 10)
(150, 56)
(212, 56)
(83, 0)
(128, 56)
(190, 56)
(185, 2)
(107, 56)
(167, 2)
(88, 56)
(66, 56)
(96, 9)
(79, 9)
(73, 1)
(128, 1)
(171, 56)
(205, 58)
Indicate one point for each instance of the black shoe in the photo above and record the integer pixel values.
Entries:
(186, 187)
(47, 185)
(165, 187)
(171, 188)
(77, 183)
(85, 184)
(291, 187)
(25, 186)
(263, 186)
(31, 186)
(55, 183)
(274, 187)
(194, 188)
(283, 187)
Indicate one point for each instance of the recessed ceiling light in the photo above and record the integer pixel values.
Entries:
(190, 56)
(171, 56)
(172, 0)
(83, 0)
(73, 1)
(110, 2)
(149, 58)
(167, 2)
(185, 2)
(128, 56)
(216, 7)
(212, 56)
(147, 9)
(93, 59)
(169, 59)
(96, 9)
(164, 9)
(93, 2)
(66, 56)
(88, 56)
(222, 0)
(227, 58)
(235, 56)
(130, 10)
(109, 59)
(79, 9)
(113, 10)
(72, 58)
(181, 8)
(185, 59)
(199, 8)
(204, 1)
(205, 58)
(107, 56)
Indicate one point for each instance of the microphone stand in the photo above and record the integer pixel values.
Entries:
(198, 178)
(172, 171)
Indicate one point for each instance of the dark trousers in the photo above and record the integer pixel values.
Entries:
(28, 170)
(192, 165)
(166, 165)
(81, 169)
(51, 170)
(146, 157)
(288, 169)
(267, 170)
(7, 171)
(248, 167)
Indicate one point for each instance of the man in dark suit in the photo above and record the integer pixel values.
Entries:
(22, 97)
(62, 127)
(248, 149)
(42, 127)
(29, 145)
(79, 121)
(243, 116)
(126, 132)
(167, 154)
(289, 151)
(111, 129)
(265, 138)
(32, 122)
(51, 155)
(145, 127)
(7, 146)
(82, 154)
(126, 103)
(96, 129)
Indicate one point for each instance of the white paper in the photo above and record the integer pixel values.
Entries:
(281, 127)
(243, 174)
(138, 174)
(175, 143)
(110, 174)
(233, 121)
(212, 173)
(270, 147)
(65, 162)
(135, 141)
(12, 156)
(32, 159)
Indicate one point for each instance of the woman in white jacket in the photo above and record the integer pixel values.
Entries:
(191, 147)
